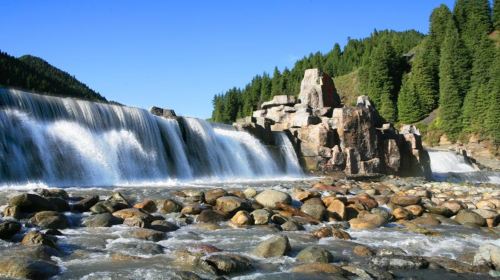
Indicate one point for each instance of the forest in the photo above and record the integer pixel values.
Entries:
(451, 74)
(35, 74)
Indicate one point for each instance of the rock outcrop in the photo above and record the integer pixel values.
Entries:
(329, 137)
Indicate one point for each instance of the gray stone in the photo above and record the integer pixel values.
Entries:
(101, 220)
(269, 198)
(275, 246)
(27, 268)
(470, 217)
(222, 264)
(261, 216)
(50, 220)
(312, 254)
(30, 203)
(317, 90)
(278, 100)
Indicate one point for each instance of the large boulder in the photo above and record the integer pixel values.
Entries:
(102, 220)
(315, 254)
(275, 246)
(30, 203)
(27, 268)
(9, 229)
(50, 220)
(317, 90)
(286, 100)
(269, 198)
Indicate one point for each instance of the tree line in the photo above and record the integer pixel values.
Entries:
(35, 74)
(455, 69)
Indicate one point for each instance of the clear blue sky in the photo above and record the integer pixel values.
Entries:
(178, 54)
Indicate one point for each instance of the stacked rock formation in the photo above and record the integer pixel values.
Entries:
(331, 137)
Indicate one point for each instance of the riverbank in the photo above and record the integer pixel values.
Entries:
(341, 229)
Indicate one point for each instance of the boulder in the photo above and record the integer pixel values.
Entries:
(27, 268)
(470, 217)
(314, 254)
(50, 220)
(133, 213)
(314, 207)
(85, 204)
(35, 238)
(291, 225)
(242, 218)
(367, 221)
(405, 200)
(30, 203)
(362, 251)
(147, 205)
(162, 112)
(169, 206)
(286, 100)
(222, 264)
(9, 229)
(269, 198)
(210, 216)
(275, 246)
(212, 195)
(107, 206)
(317, 90)
(101, 220)
(261, 216)
(488, 254)
(231, 204)
(146, 234)
(319, 269)
(163, 226)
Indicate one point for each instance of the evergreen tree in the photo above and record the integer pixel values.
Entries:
(381, 82)
(451, 84)
(333, 60)
(409, 104)
(477, 98)
(492, 123)
(496, 14)
(276, 83)
(473, 18)
(425, 76)
(265, 88)
(438, 22)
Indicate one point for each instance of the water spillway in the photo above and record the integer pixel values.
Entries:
(68, 142)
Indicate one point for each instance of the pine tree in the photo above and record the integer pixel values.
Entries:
(438, 22)
(476, 101)
(381, 82)
(492, 123)
(473, 18)
(409, 104)
(425, 76)
(276, 86)
(496, 14)
(265, 89)
(333, 60)
(451, 84)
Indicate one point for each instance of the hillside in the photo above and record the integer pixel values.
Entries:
(35, 74)
(452, 71)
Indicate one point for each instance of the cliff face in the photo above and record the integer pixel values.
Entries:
(331, 137)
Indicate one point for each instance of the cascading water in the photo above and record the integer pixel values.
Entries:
(290, 156)
(63, 141)
(449, 166)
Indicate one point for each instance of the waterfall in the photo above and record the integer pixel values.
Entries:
(290, 156)
(450, 166)
(69, 142)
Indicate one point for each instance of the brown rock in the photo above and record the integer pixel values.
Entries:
(133, 213)
(366, 200)
(337, 209)
(147, 234)
(322, 232)
(405, 200)
(341, 234)
(147, 205)
(362, 251)
(169, 206)
(416, 210)
(212, 195)
(230, 204)
(242, 218)
(38, 238)
(315, 268)
(401, 214)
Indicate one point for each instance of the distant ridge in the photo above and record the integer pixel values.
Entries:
(35, 74)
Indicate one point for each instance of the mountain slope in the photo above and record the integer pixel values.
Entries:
(35, 74)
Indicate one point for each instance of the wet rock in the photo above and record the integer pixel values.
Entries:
(101, 220)
(399, 262)
(146, 234)
(305, 195)
(107, 206)
(186, 275)
(147, 205)
(59, 204)
(212, 195)
(223, 264)
(38, 238)
(315, 268)
(362, 251)
(195, 195)
(30, 203)
(163, 226)
(291, 225)
(314, 254)
(366, 200)
(191, 209)
(427, 220)
(314, 207)
(401, 214)
(405, 200)
(169, 206)
(242, 218)
(9, 229)
(416, 210)
(250, 193)
(269, 198)
(50, 220)
(275, 246)
(133, 213)
(322, 232)
(13, 211)
(136, 222)
(138, 248)
(368, 221)
(85, 204)
(337, 209)
(457, 266)
(470, 217)
(439, 210)
(210, 216)
(27, 268)
(454, 206)
(488, 254)
(340, 234)
(230, 204)
(261, 216)
(119, 198)
(59, 193)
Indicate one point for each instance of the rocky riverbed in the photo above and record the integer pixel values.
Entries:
(323, 229)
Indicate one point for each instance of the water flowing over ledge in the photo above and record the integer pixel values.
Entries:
(68, 142)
